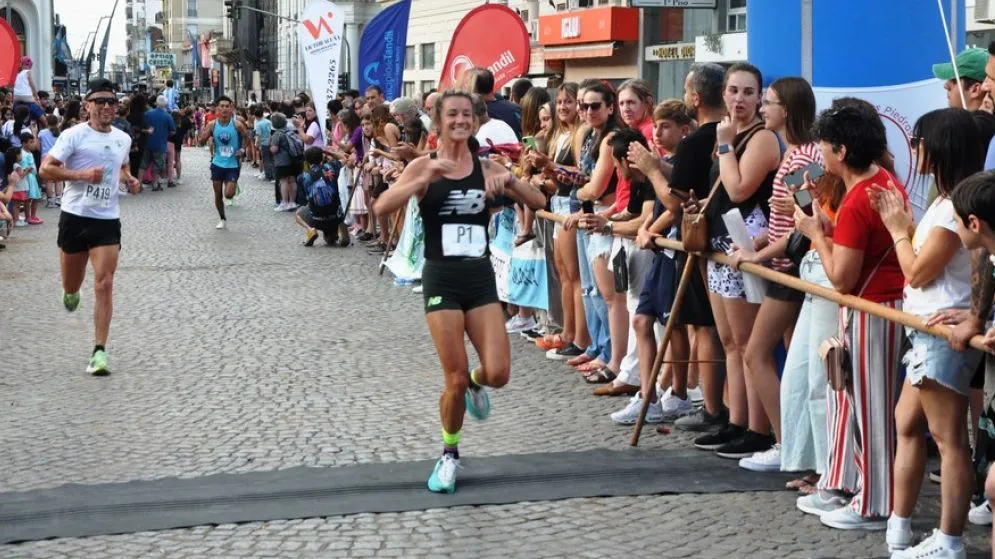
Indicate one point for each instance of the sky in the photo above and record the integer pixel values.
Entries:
(80, 17)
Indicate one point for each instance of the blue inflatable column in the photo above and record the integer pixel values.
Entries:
(855, 43)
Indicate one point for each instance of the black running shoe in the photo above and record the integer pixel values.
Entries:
(747, 445)
(379, 249)
(565, 353)
(724, 436)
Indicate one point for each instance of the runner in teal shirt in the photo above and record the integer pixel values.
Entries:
(228, 137)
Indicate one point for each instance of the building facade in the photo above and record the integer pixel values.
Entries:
(33, 21)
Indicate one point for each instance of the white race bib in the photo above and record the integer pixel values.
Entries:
(459, 239)
(227, 151)
(97, 195)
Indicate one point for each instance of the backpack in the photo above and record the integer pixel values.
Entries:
(295, 145)
(323, 197)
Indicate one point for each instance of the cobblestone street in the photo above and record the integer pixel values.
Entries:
(241, 350)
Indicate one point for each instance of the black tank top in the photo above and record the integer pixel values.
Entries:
(455, 216)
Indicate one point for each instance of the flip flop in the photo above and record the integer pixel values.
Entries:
(807, 480)
(603, 375)
(590, 367)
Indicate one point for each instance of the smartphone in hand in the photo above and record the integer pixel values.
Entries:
(803, 198)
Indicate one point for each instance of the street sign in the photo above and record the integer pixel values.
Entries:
(690, 4)
(673, 51)
(162, 59)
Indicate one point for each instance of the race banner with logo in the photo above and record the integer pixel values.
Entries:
(10, 53)
(320, 32)
(502, 243)
(899, 106)
(381, 50)
(407, 261)
(491, 36)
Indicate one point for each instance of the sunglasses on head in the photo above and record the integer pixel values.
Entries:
(596, 106)
(102, 101)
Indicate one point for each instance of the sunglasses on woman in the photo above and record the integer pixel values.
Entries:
(596, 106)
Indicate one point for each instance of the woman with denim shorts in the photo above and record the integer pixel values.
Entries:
(937, 270)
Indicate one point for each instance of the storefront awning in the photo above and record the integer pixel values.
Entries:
(588, 50)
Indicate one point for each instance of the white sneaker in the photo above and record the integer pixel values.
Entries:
(897, 538)
(820, 503)
(518, 324)
(221, 224)
(673, 407)
(696, 395)
(931, 548)
(417, 289)
(845, 518)
(630, 413)
(981, 515)
(281, 207)
(766, 461)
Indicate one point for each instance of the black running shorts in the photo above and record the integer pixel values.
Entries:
(80, 234)
(458, 285)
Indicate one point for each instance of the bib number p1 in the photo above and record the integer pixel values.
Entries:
(460, 239)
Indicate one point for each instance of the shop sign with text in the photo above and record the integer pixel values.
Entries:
(674, 51)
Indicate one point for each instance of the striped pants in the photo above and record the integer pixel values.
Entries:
(861, 422)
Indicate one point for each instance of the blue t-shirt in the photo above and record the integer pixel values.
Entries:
(990, 158)
(47, 140)
(162, 126)
(263, 129)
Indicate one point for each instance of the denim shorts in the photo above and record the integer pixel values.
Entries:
(559, 205)
(932, 358)
(598, 245)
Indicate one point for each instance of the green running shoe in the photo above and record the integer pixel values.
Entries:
(98, 364)
(70, 301)
(478, 402)
(443, 478)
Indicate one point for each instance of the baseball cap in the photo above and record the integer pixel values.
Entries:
(970, 64)
(99, 85)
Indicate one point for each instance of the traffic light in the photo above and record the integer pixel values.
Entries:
(343, 81)
(232, 8)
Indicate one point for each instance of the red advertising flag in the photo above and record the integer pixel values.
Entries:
(490, 36)
(10, 53)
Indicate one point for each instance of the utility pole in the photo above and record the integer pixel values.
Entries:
(107, 36)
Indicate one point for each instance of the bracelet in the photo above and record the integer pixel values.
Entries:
(900, 240)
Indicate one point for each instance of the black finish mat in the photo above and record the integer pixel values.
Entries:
(120, 508)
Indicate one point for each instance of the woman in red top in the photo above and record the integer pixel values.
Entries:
(859, 260)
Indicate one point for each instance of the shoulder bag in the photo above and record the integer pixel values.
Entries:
(834, 351)
(694, 226)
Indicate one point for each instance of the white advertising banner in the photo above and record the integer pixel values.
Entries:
(899, 107)
(320, 32)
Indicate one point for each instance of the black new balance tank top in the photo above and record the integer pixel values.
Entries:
(455, 215)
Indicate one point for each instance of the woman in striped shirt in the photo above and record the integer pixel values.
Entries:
(789, 110)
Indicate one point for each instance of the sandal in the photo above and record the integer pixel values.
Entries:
(522, 239)
(802, 482)
(603, 375)
(547, 343)
(590, 367)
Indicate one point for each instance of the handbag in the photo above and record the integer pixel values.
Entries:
(798, 246)
(620, 268)
(834, 351)
(694, 226)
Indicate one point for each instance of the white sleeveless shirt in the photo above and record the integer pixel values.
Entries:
(22, 88)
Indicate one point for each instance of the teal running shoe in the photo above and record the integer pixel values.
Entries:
(443, 478)
(98, 364)
(478, 402)
(70, 301)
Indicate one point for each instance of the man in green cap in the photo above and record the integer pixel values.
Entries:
(971, 70)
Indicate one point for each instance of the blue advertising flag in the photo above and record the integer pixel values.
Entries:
(381, 50)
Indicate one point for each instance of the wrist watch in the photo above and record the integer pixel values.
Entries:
(606, 229)
(724, 149)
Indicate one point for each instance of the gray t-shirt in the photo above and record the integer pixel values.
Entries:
(282, 157)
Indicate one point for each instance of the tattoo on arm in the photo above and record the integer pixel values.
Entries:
(982, 285)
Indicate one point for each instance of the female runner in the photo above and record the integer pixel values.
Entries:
(456, 192)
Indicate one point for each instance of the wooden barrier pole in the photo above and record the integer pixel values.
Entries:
(392, 238)
(851, 301)
(661, 349)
